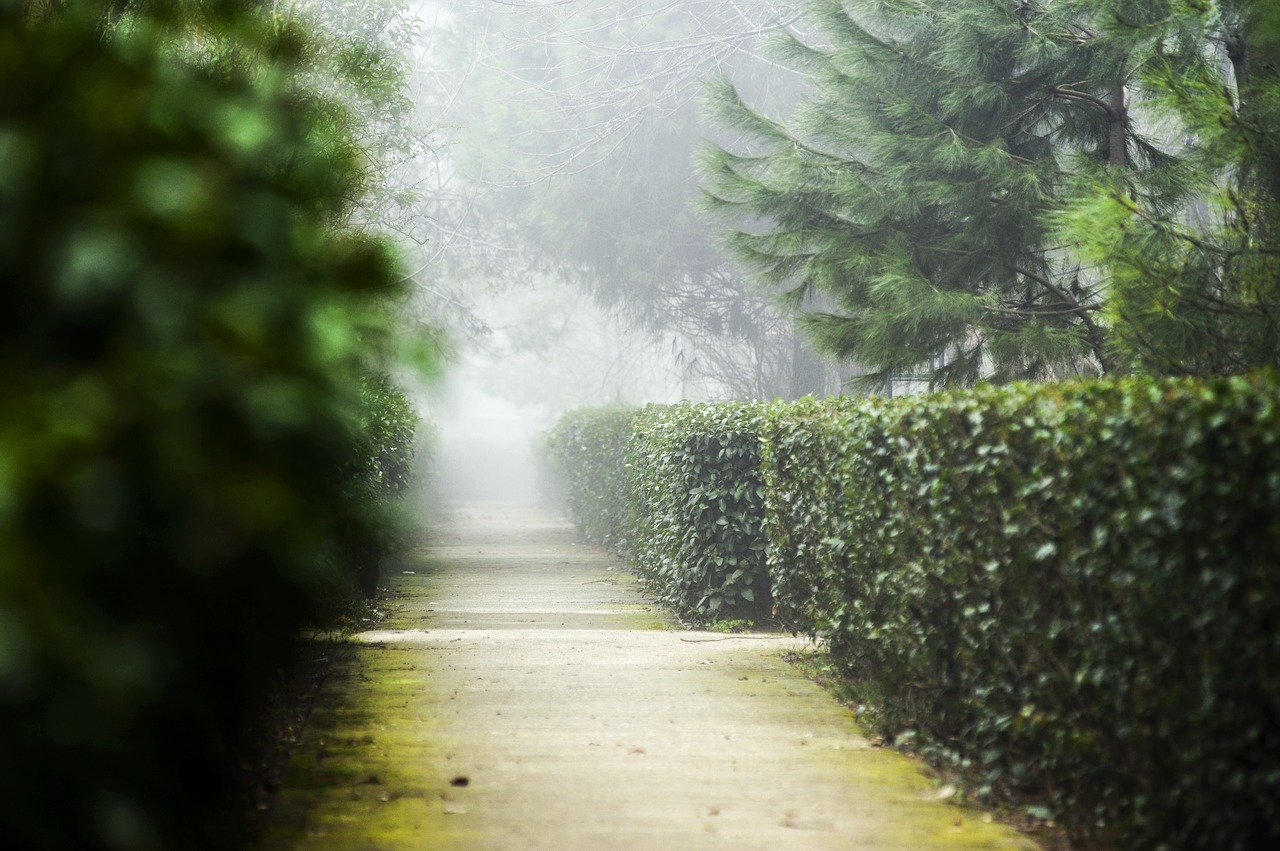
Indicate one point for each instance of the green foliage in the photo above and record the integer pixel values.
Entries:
(1067, 591)
(729, 625)
(181, 374)
(387, 429)
(357, 58)
(808, 461)
(983, 190)
(584, 457)
(383, 471)
(1063, 592)
(905, 199)
(1192, 250)
(676, 488)
(693, 473)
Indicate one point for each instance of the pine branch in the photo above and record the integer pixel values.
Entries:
(1096, 336)
(1072, 94)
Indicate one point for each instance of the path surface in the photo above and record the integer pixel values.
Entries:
(523, 696)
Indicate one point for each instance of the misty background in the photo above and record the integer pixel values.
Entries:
(543, 191)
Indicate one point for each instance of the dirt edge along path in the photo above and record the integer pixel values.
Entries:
(523, 696)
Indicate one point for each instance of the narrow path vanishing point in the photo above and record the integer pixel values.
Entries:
(524, 696)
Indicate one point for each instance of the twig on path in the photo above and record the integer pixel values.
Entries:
(735, 638)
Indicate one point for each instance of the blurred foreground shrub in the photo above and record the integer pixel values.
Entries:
(1064, 591)
(180, 372)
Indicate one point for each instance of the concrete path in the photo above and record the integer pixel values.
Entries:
(524, 696)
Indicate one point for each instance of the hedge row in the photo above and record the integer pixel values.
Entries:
(380, 476)
(697, 505)
(676, 489)
(584, 457)
(1068, 592)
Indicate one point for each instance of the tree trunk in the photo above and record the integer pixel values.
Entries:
(808, 372)
(1118, 127)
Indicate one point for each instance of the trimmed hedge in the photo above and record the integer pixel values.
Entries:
(1066, 593)
(584, 456)
(379, 478)
(676, 489)
(693, 473)
(1064, 590)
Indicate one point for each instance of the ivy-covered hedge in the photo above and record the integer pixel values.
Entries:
(584, 457)
(1064, 589)
(694, 479)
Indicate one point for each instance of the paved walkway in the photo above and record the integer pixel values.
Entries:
(524, 696)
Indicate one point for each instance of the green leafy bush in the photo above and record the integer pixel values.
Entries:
(381, 477)
(180, 370)
(676, 488)
(1064, 590)
(584, 457)
(807, 464)
(695, 492)
(1060, 591)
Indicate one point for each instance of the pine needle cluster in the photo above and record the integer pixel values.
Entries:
(1015, 190)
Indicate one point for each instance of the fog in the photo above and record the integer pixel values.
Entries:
(484, 446)
(551, 227)
(542, 351)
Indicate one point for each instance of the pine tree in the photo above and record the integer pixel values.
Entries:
(1192, 253)
(913, 191)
